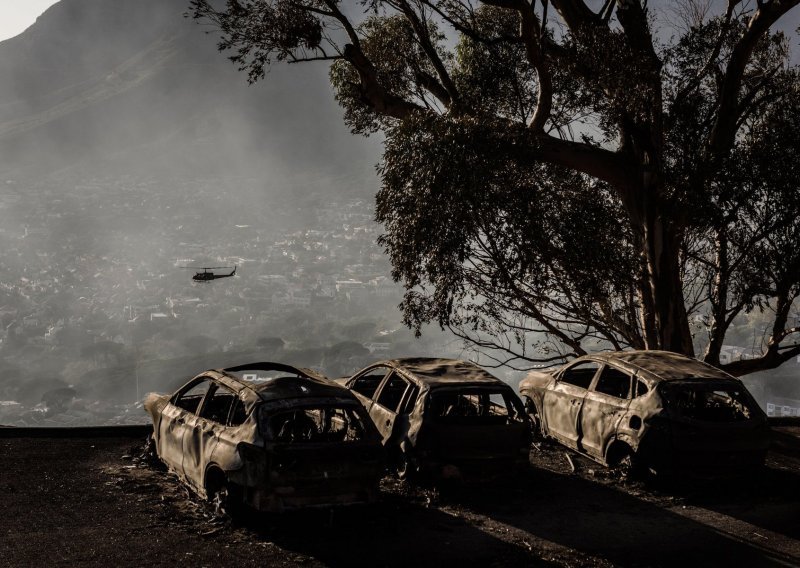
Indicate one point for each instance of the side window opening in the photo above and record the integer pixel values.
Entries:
(410, 400)
(614, 382)
(475, 407)
(238, 413)
(190, 399)
(497, 405)
(392, 393)
(580, 375)
(366, 385)
(719, 405)
(641, 388)
(219, 405)
(320, 425)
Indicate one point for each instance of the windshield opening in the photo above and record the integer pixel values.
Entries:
(320, 425)
(713, 404)
(475, 406)
(260, 377)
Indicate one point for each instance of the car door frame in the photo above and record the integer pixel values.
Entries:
(570, 397)
(200, 441)
(386, 420)
(603, 409)
(365, 400)
(174, 425)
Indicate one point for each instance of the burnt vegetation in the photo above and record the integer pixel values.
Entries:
(560, 175)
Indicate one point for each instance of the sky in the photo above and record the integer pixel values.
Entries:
(17, 15)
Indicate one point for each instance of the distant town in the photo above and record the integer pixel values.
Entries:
(103, 290)
(102, 308)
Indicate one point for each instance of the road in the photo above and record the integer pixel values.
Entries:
(89, 502)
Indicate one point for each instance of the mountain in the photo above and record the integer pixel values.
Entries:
(133, 87)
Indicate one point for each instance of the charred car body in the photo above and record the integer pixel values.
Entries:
(272, 436)
(650, 409)
(444, 417)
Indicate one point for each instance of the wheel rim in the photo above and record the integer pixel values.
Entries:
(220, 501)
(625, 466)
(403, 465)
(530, 408)
(629, 466)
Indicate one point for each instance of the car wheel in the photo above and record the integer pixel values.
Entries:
(149, 453)
(403, 465)
(629, 466)
(149, 449)
(221, 502)
(225, 500)
(536, 422)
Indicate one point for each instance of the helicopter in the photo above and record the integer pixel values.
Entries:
(207, 276)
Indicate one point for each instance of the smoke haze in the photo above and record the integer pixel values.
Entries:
(129, 148)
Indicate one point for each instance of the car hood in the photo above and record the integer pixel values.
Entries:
(537, 380)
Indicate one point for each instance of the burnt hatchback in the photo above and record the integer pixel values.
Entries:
(444, 417)
(650, 410)
(272, 436)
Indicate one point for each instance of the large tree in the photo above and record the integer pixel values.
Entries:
(561, 175)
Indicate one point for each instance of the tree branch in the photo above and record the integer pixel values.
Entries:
(771, 360)
(724, 129)
(421, 30)
(694, 82)
(372, 92)
(575, 13)
(599, 163)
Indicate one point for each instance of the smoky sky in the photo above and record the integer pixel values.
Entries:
(16, 16)
(130, 146)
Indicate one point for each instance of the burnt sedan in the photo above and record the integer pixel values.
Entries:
(650, 410)
(268, 435)
(445, 418)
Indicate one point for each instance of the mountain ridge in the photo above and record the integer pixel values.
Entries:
(90, 82)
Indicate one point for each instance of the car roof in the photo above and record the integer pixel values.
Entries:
(433, 372)
(299, 383)
(660, 365)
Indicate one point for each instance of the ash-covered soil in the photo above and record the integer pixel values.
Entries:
(93, 502)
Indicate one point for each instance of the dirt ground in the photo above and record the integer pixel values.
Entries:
(90, 502)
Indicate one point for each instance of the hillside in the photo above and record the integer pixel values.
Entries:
(98, 88)
(89, 501)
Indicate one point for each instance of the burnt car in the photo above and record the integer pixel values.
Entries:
(270, 436)
(650, 411)
(445, 418)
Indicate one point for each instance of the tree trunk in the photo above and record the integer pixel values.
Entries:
(664, 287)
(719, 303)
(664, 320)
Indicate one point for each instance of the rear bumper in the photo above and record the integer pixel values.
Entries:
(306, 477)
(711, 463)
(707, 450)
(311, 495)
(707, 462)
(475, 469)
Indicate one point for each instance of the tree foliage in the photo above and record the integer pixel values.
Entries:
(559, 176)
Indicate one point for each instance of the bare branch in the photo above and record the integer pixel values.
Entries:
(372, 92)
(711, 62)
(724, 130)
(420, 28)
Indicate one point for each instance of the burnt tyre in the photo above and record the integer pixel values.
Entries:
(224, 497)
(536, 422)
(149, 454)
(403, 465)
(627, 463)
